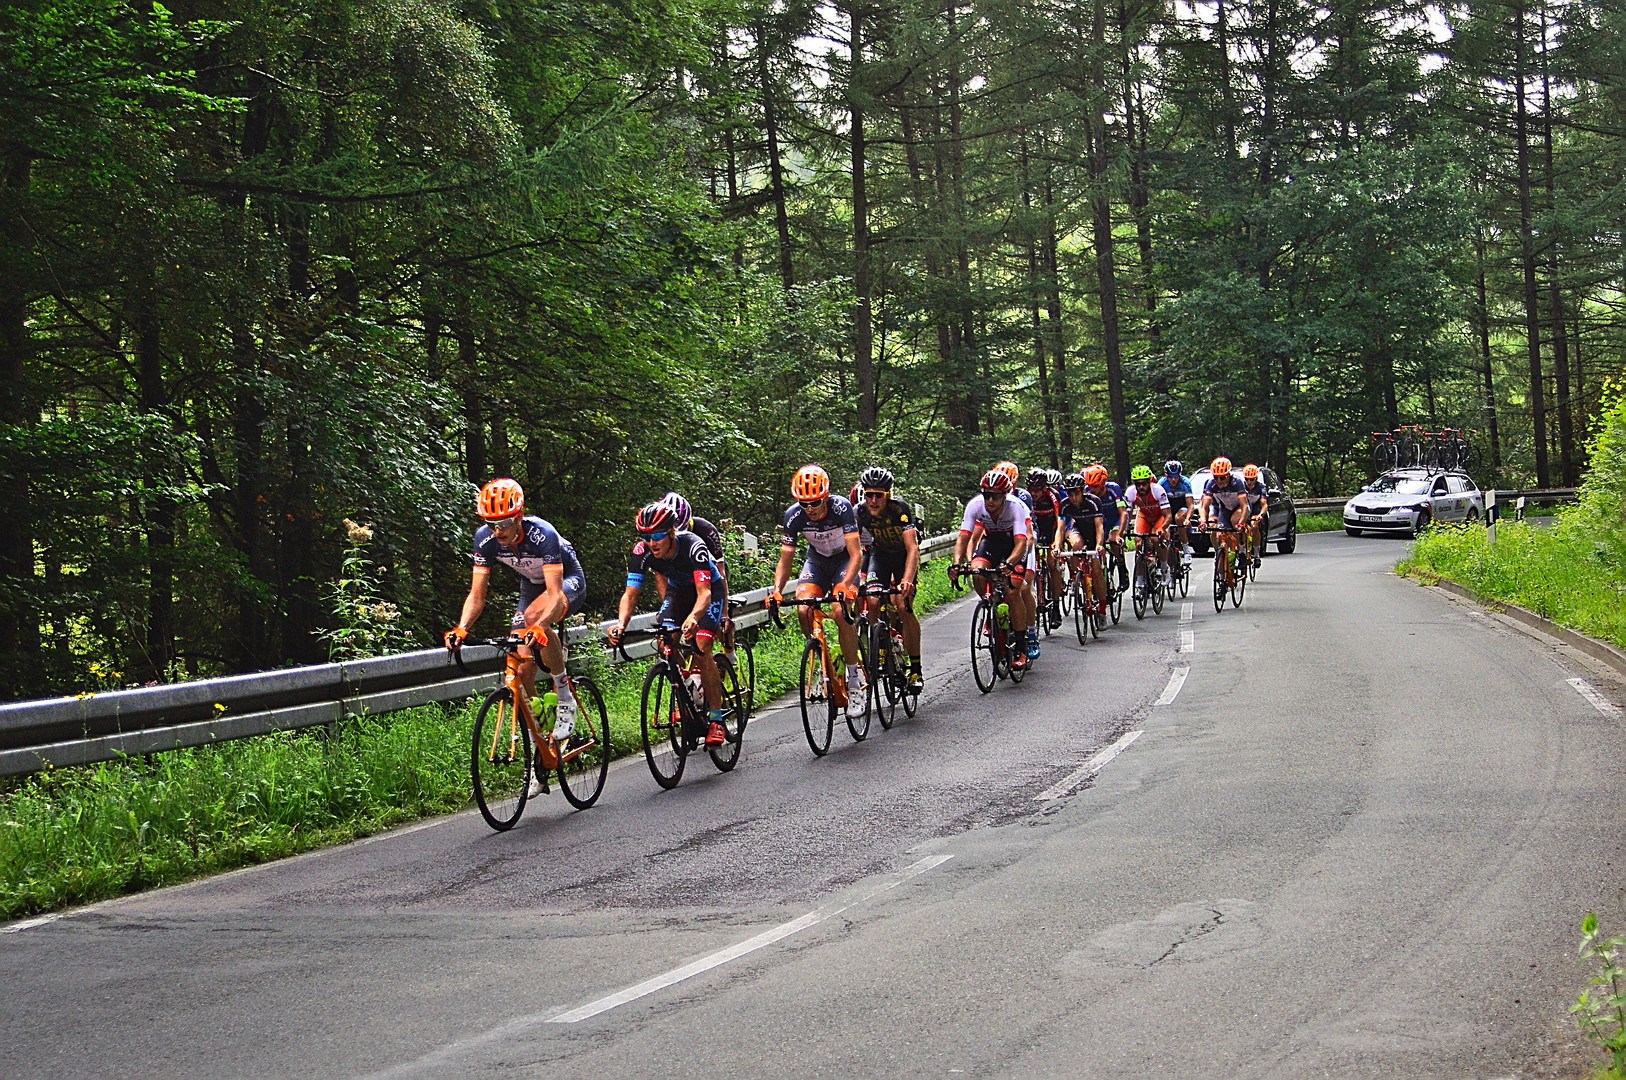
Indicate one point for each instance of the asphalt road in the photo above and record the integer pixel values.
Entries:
(1357, 843)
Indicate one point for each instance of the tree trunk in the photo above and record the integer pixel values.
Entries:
(1222, 42)
(1555, 300)
(776, 172)
(159, 645)
(1105, 274)
(1058, 347)
(927, 207)
(18, 623)
(474, 423)
(1045, 403)
(1527, 259)
(1485, 356)
(863, 328)
(967, 350)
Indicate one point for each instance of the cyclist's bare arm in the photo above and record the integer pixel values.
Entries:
(551, 606)
(781, 573)
(623, 615)
(911, 562)
(702, 598)
(475, 602)
(855, 559)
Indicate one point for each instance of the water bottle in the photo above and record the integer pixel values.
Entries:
(1004, 616)
(697, 690)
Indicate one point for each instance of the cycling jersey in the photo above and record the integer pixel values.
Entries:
(1257, 494)
(884, 531)
(690, 565)
(1154, 499)
(1111, 513)
(1226, 492)
(709, 533)
(1179, 489)
(541, 546)
(826, 536)
(1046, 509)
(1080, 515)
(1013, 519)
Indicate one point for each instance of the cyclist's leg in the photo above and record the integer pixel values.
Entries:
(810, 586)
(888, 570)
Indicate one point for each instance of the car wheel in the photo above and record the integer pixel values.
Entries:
(1290, 539)
(1473, 515)
(1351, 530)
(1425, 518)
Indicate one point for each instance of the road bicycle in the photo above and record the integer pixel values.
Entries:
(743, 642)
(1230, 569)
(886, 657)
(993, 641)
(1179, 570)
(513, 743)
(1041, 592)
(1385, 452)
(1148, 584)
(672, 709)
(820, 687)
(1117, 582)
(1253, 536)
(1079, 586)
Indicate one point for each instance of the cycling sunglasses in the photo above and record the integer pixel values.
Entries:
(876, 494)
(656, 537)
(502, 523)
(809, 504)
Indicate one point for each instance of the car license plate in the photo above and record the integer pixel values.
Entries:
(1371, 517)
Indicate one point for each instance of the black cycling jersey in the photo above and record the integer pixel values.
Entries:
(690, 565)
(884, 531)
(1079, 515)
(708, 532)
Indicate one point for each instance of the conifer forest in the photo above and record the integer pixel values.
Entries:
(272, 266)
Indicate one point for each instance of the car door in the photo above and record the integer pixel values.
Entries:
(1440, 500)
(1276, 501)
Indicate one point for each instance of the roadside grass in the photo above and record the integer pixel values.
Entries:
(1565, 572)
(76, 835)
(1321, 521)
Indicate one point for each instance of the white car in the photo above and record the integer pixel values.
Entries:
(1408, 500)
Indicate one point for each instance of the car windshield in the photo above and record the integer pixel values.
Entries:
(1400, 485)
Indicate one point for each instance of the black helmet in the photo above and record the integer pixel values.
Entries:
(1038, 478)
(1172, 467)
(876, 478)
(1074, 482)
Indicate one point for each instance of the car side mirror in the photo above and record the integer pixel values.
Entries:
(1275, 491)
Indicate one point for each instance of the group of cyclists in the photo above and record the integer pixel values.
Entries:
(1020, 526)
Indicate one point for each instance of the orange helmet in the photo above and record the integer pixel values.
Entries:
(1250, 472)
(810, 483)
(502, 498)
(1009, 469)
(1095, 474)
(1221, 466)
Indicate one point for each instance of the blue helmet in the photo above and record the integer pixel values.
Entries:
(1171, 467)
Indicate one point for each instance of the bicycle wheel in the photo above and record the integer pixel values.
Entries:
(1041, 590)
(1239, 579)
(1082, 616)
(1255, 548)
(984, 665)
(1140, 588)
(734, 699)
(585, 757)
(1115, 603)
(661, 719)
(500, 760)
(818, 704)
(1220, 563)
(900, 675)
(1158, 589)
(859, 725)
(748, 656)
(883, 682)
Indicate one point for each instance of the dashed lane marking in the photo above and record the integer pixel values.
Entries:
(1177, 679)
(1065, 786)
(1599, 702)
(1185, 611)
(1188, 641)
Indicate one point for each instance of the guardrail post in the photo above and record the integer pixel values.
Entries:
(1490, 514)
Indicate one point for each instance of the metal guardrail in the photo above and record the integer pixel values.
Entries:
(36, 735)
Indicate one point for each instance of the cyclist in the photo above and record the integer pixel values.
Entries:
(1181, 500)
(1151, 505)
(1086, 533)
(892, 556)
(1003, 525)
(551, 587)
(831, 568)
(1258, 508)
(1046, 508)
(1110, 496)
(1223, 494)
(691, 587)
(687, 522)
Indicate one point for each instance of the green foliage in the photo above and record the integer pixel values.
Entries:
(1329, 521)
(365, 624)
(1601, 1010)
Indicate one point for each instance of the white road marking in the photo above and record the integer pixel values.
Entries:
(433, 1063)
(1599, 702)
(1188, 641)
(1177, 679)
(1065, 786)
(1185, 611)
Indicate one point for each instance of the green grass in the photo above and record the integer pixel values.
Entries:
(1321, 521)
(1569, 572)
(75, 835)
